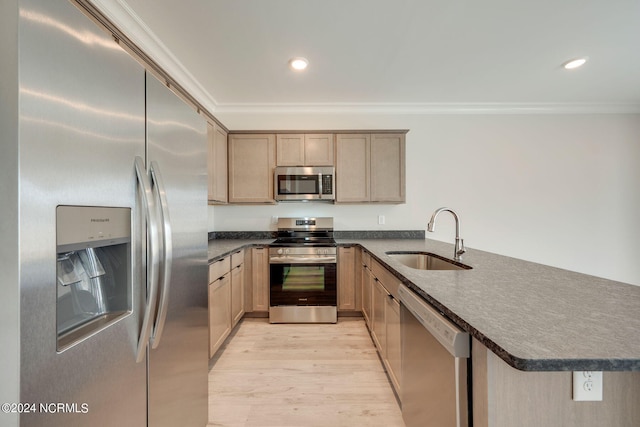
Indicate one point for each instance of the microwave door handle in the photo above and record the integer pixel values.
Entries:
(167, 257)
(320, 185)
(151, 228)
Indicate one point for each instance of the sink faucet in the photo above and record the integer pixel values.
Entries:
(459, 249)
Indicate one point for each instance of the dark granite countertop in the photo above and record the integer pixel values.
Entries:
(534, 317)
(219, 248)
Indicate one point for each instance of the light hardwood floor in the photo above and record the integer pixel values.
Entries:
(300, 375)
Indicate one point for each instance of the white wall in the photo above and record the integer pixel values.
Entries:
(561, 190)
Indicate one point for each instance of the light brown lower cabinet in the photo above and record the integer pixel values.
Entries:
(394, 345)
(379, 323)
(381, 311)
(226, 298)
(367, 281)
(260, 278)
(348, 292)
(504, 397)
(219, 312)
(237, 287)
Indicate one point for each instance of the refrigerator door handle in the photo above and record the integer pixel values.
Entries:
(152, 259)
(156, 178)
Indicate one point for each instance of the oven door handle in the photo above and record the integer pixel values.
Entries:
(303, 260)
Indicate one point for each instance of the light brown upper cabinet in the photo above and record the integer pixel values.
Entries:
(217, 163)
(304, 149)
(353, 152)
(370, 168)
(252, 158)
(388, 168)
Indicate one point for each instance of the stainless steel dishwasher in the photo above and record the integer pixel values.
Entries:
(435, 354)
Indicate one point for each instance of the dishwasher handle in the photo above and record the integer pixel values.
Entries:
(452, 338)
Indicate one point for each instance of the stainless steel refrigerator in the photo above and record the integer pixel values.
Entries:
(103, 228)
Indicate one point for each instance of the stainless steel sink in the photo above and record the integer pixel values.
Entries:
(426, 261)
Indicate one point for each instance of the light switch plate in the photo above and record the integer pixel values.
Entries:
(587, 385)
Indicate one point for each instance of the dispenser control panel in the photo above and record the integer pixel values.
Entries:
(80, 227)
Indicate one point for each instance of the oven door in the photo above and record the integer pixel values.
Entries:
(303, 284)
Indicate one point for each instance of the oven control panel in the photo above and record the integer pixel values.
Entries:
(302, 255)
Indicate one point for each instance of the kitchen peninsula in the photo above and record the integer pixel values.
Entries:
(542, 321)
(530, 315)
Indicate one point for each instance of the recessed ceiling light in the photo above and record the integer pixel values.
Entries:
(574, 63)
(298, 64)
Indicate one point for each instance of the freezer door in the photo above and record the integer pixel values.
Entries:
(178, 358)
(81, 123)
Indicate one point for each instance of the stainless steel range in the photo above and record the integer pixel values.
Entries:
(302, 272)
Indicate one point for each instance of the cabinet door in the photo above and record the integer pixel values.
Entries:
(346, 278)
(367, 283)
(290, 149)
(237, 294)
(260, 278)
(388, 168)
(252, 158)
(352, 167)
(358, 277)
(318, 149)
(211, 162)
(219, 312)
(379, 331)
(218, 177)
(394, 355)
(248, 280)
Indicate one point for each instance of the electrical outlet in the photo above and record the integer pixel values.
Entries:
(381, 219)
(587, 385)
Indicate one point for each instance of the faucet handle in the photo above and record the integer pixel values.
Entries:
(459, 249)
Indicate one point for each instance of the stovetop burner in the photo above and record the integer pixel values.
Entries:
(305, 232)
(303, 242)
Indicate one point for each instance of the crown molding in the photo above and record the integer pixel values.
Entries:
(129, 23)
(428, 108)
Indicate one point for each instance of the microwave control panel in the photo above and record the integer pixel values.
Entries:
(327, 184)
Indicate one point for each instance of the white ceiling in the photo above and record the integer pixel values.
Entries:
(402, 53)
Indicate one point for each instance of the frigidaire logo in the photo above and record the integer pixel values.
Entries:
(99, 219)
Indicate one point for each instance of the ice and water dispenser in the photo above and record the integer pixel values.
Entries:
(93, 270)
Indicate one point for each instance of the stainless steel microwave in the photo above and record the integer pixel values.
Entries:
(305, 183)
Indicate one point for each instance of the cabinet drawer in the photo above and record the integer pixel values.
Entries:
(366, 258)
(219, 268)
(237, 258)
(389, 281)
